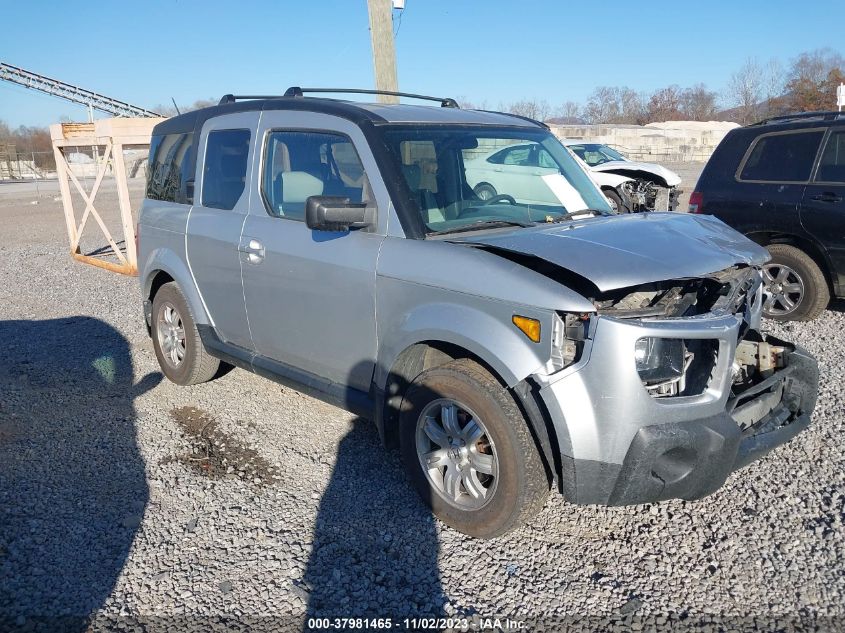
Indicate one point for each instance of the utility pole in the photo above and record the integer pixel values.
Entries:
(384, 50)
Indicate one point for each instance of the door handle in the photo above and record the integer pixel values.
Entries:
(827, 196)
(254, 250)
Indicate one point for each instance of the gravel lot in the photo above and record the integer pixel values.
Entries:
(128, 499)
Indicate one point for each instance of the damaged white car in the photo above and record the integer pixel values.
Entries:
(628, 185)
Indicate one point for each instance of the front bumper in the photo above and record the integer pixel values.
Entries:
(620, 446)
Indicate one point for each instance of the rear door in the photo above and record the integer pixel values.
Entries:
(823, 207)
(310, 295)
(216, 221)
(770, 183)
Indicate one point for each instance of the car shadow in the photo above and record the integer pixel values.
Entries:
(375, 546)
(72, 481)
(837, 305)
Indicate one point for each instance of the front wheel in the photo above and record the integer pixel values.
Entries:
(485, 191)
(615, 201)
(468, 450)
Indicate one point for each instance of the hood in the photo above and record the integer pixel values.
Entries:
(628, 250)
(630, 167)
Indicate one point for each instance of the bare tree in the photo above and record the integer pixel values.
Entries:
(533, 109)
(774, 86)
(745, 91)
(698, 103)
(665, 104)
(612, 104)
(570, 112)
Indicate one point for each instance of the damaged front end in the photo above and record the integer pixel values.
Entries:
(646, 195)
(681, 385)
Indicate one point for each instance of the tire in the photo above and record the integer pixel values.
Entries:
(510, 472)
(615, 201)
(183, 359)
(485, 191)
(794, 285)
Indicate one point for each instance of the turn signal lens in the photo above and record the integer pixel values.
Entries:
(529, 327)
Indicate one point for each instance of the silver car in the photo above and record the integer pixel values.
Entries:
(508, 344)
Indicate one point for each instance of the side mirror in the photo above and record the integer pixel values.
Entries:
(334, 213)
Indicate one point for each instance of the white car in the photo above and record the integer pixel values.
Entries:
(628, 185)
(513, 171)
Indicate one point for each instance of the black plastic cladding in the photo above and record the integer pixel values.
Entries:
(412, 223)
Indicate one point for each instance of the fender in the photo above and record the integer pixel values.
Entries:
(165, 260)
(489, 337)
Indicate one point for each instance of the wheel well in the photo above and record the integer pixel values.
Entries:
(159, 280)
(411, 363)
(764, 238)
(425, 355)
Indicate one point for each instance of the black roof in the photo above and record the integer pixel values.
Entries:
(356, 112)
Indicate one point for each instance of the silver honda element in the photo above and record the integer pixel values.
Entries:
(485, 308)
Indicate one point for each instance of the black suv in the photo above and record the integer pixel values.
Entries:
(781, 182)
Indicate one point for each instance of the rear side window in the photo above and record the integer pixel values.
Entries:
(832, 163)
(298, 165)
(782, 157)
(224, 172)
(168, 168)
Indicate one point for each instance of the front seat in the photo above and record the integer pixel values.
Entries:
(429, 209)
(294, 188)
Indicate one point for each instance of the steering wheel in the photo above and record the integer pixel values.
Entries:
(502, 197)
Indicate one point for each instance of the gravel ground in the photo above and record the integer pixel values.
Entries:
(126, 498)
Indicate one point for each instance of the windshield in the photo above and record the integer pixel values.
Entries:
(594, 154)
(472, 176)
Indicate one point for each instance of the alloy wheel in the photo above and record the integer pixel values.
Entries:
(171, 334)
(783, 289)
(457, 454)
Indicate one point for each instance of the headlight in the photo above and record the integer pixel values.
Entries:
(659, 359)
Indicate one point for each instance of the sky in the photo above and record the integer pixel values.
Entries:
(490, 52)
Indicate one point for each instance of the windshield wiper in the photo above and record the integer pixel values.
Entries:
(483, 224)
(571, 214)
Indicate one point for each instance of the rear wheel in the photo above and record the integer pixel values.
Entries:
(468, 450)
(794, 286)
(177, 343)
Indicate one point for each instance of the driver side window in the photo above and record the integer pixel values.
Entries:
(298, 165)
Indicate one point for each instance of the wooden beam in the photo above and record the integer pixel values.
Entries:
(89, 199)
(67, 201)
(123, 202)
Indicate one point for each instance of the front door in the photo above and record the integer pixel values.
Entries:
(310, 295)
(823, 207)
(214, 225)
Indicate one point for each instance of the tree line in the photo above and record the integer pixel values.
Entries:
(755, 91)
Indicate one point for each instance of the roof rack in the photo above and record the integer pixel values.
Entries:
(232, 98)
(296, 91)
(824, 115)
(445, 102)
